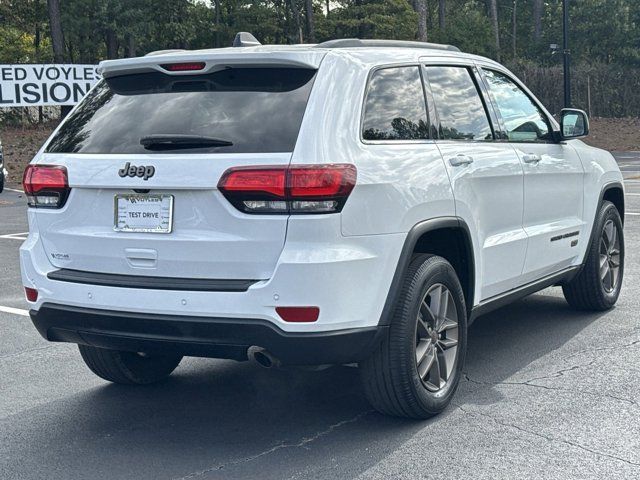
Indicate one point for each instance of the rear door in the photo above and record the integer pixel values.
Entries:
(486, 176)
(255, 113)
(553, 179)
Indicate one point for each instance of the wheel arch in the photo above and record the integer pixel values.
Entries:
(448, 237)
(614, 193)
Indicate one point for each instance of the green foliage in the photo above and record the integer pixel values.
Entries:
(604, 34)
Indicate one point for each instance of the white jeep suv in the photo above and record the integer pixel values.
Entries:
(348, 202)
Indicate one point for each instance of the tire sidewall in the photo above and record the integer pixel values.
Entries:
(431, 270)
(608, 212)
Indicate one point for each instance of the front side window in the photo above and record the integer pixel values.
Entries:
(460, 109)
(523, 120)
(395, 108)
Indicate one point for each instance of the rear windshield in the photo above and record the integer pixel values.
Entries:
(256, 109)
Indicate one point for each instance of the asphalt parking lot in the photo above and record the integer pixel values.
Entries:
(548, 393)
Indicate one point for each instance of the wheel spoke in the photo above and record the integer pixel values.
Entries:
(447, 324)
(611, 280)
(435, 377)
(613, 238)
(608, 233)
(427, 362)
(603, 260)
(449, 357)
(604, 271)
(423, 328)
(435, 298)
(448, 343)
(422, 349)
(444, 307)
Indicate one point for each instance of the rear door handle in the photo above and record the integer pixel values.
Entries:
(460, 159)
(531, 158)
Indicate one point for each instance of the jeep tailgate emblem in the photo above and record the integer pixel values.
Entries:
(144, 172)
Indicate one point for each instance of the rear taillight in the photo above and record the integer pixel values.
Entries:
(301, 189)
(46, 186)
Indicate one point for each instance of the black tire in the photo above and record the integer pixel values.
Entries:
(587, 291)
(1, 181)
(390, 376)
(128, 368)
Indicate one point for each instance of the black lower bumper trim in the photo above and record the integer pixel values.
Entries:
(156, 283)
(202, 336)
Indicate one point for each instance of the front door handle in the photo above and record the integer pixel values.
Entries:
(460, 159)
(531, 158)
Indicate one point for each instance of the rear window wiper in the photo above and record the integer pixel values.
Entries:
(171, 142)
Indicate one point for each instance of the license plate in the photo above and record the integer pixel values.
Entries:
(143, 213)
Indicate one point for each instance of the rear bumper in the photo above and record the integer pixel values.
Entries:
(202, 336)
(348, 279)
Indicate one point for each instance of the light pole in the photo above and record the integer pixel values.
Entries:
(566, 54)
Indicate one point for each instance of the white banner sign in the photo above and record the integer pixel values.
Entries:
(44, 85)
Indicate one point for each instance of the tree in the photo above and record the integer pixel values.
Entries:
(514, 29)
(311, 34)
(493, 13)
(55, 23)
(538, 6)
(420, 7)
(295, 12)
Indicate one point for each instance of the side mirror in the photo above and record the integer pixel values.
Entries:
(574, 123)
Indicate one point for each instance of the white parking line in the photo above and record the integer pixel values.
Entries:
(14, 190)
(632, 213)
(16, 236)
(15, 311)
(634, 194)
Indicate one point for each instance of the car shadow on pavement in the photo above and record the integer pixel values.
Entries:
(222, 419)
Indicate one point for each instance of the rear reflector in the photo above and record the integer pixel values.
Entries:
(281, 189)
(183, 67)
(46, 186)
(298, 314)
(31, 293)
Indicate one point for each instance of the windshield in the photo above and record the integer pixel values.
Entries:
(252, 109)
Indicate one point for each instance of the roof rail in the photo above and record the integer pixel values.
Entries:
(356, 42)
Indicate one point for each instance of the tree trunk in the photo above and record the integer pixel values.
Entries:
(514, 28)
(328, 7)
(420, 6)
(112, 44)
(311, 28)
(217, 40)
(493, 10)
(57, 41)
(131, 45)
(57, 38)
(538, 7)
(296, 21)
(441, 14)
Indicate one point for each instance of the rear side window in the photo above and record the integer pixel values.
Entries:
(255, 109)
(395, 108)
(460, 109)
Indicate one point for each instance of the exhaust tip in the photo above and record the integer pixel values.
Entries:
(262, 357)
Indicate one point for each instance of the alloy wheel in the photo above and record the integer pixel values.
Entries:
(610, 257)
(437, 338)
